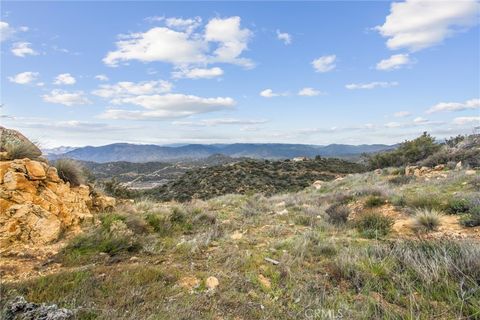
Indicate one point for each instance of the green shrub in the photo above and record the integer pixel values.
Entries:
(374, 201)
(398, 200)
(408, 152)
(426, 220)
(21, 149)
(374, 225)
(70, 171)
(338, 213)
(400, 180)
(425, 201)
(304, 220)
(456, 206)
(472, 219)
(255, 206)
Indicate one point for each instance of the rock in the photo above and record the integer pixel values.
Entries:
(189, 282)
(212, 283)
(10, 136)
(237, 235)
(410, 170)
(378, 171)
(19, 308)
(439, 167)
(36, 207)
(134, 259)
(35, 170)
(470, 172)
(103, 203)
(282, 212)
(264, 281)
(317, 184)
(459, 166)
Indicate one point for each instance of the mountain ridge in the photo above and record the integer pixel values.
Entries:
(149, 152)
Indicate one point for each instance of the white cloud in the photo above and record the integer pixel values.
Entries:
(64, 79)
(101, 77)
(66, 98)
(324, 63)
(22, 49)
(24, 77)
(198, 73)
(7, 31)
(402, 114)
(396, 61)
(371, 85)
(168, 106)
(182, 47)
(309, 92)
(231, 38)
(419, 24)
(125, 89)
(268, 93)
(466, 120)
(188, 25)
(455, 106)
(154, 19)
(285, 37)
(420, 120)
(217, 122)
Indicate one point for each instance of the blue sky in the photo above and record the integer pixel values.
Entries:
(92, 73)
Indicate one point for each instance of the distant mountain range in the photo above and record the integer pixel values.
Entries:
(149, 153)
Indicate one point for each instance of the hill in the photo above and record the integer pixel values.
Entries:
(252, 176)
(148, 153)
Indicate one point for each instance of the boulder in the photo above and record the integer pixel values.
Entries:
(10, 136)
(459, 166)
(35, 170)
(212, 283)
(19, 308)
(410, 170)
(317, 184)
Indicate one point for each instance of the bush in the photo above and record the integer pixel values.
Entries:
(255, 206)
(426, 220)
(425, 201)
(399, 180)
(374, 225)
(338, 213)
(408, 152)
(374, 201)
(70, 171)
(472, 219)
(21, 150)
(456, 206)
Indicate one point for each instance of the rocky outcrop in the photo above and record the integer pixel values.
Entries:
(10, 136)
(37, 207)
(20, 308)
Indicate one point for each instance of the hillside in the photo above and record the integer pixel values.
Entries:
(150, 153)
(149, 174)
(252, 176)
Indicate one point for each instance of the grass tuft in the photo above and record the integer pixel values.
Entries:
(70, 171)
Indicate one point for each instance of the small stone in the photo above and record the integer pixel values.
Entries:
(134, 259)
(237, 235)
(317, 184)
(470, 172)
(265, 282)
(282, 212)
(189, 282)
(459, 166)
(212, 283)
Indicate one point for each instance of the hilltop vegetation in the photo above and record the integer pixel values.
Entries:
(252, 176)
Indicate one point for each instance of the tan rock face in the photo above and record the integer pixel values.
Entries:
(37, 207)
(12, 136)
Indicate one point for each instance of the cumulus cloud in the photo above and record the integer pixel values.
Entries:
(396, 61)
(324, 63)
(179, 45)
(371, 85)
(101, 77)
(7, 31)
(24, 77)
(198, 73)
(66, 98)
(309, 92)
(125, 89)
(217, 122)
(168, 106)
(64, 79)
(466, 120)
(23, 49)
(285, 37)
(419, 24)
(268, 93)
(455, 106)
(402, 114)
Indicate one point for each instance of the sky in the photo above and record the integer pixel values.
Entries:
(95, 73)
